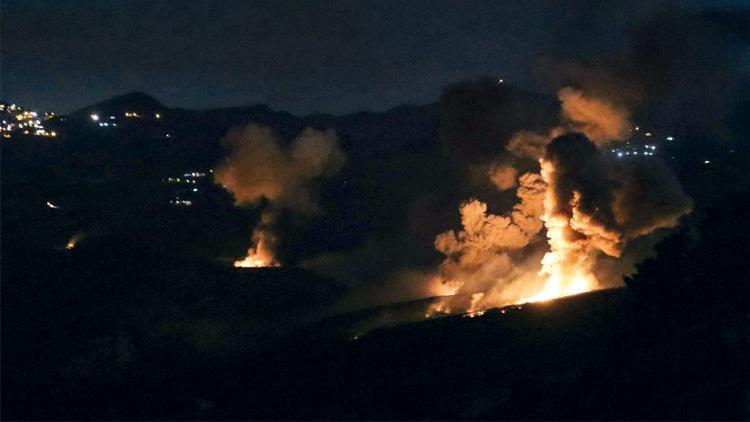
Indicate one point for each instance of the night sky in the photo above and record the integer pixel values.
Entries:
(300, 56)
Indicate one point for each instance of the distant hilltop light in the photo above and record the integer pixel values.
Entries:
(500, 81)
(94, 117)
(707, 162)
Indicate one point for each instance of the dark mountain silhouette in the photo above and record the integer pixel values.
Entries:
(136, 101)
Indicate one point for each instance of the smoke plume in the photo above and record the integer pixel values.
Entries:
(593, 216)
(261, 168)
(590, 205)
(678, 70)
(485, 253)
(600, 120)
(261, 253)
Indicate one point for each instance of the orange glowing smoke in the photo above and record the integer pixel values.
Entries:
(600, 120)
(262, 169)
(441, 288)
(496, 258)
(567, 266)
(571, 228)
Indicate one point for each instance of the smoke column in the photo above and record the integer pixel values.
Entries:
(589, 205)
(261, 253)
(260, 167)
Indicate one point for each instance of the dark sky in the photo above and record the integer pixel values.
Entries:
(300, 56)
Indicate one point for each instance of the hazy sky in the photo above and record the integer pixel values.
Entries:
(301, 56)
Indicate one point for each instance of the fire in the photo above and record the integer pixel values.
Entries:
(573, 219)
(440, 307)
(260, 255)
(444, 290)
(256, 260)
(557, 286)
(479, 257)
(566, 265)
(73, 242)
(264, 169)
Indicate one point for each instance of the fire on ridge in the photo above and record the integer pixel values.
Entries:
(569, 230)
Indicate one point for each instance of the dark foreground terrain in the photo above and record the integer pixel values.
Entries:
(197, 356)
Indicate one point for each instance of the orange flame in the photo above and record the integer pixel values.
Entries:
(260, 255)
(567, 265)
(73, 242)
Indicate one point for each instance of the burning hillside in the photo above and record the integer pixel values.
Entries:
(577, 212)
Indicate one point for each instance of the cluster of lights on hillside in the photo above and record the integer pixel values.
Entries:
(191, 179)
(641, 144)
(111, 121)
(187, 178)
(181, 202)
(646, 150)
(17, 121)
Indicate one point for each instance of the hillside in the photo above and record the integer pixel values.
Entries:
(581, 357)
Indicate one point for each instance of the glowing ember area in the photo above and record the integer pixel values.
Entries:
(254, 259)
(261, 255)
(442, 288)
(563, 285)
(73, 241)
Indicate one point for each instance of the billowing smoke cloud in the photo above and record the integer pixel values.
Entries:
(591, 206)
(597, 214)
(601, 121)
(496, 259)
(478, 118)
(607, 200)
(587, 216)
(678, 70)
(261, 168)
(485, 253)
(573, 221)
